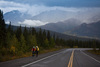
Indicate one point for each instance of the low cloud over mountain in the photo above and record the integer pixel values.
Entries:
(52, 16)
(50, 11)
(32, 23)
(90, 30)
(62, 26)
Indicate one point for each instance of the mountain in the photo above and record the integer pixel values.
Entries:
(62, 26)
(91, 30)
(15, 16)
(95, 18)
(53, 16)
(50, 16)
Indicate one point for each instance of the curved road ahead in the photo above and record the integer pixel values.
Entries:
(76, 57)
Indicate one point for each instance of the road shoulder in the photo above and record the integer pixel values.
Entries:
(26, 60)
(97, 57)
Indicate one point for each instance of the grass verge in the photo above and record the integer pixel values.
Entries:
(97, 52)
(27, 54)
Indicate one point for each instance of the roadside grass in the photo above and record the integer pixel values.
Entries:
(49, 50)
(97, 52)
(28, 54)
(10, 57)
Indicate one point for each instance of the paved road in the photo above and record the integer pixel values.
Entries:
(82, 59)
(63, 58)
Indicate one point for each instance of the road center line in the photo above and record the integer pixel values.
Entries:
(90, 57)
(71, 59)
(40, 60)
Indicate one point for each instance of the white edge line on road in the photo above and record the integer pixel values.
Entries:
(40, 60)
(90, 57)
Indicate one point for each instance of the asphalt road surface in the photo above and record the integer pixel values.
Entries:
(76, 57)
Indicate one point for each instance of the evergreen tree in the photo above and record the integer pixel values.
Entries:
(23, 43)
(25, 33)
(54, 37)
(52, 42)
(48, 35)
(2, 30)
(30, 30)
(40, 37)
(44, 35)
(57, 41)
(8, 39)
(19, 32)
(32, 42)
(46, 43)
(94, 45)
(33, 31)
(14, 45)
(10, 30)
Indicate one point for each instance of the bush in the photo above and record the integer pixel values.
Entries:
(19, 53)
(12, 50)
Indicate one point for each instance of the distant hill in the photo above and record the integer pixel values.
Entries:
(62, 26)
(91, 30)
(75, 28)
(60, 35)
(53, 16)
(15, 16)
(69, 26)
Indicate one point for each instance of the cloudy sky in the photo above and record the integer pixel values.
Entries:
(35, 7)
